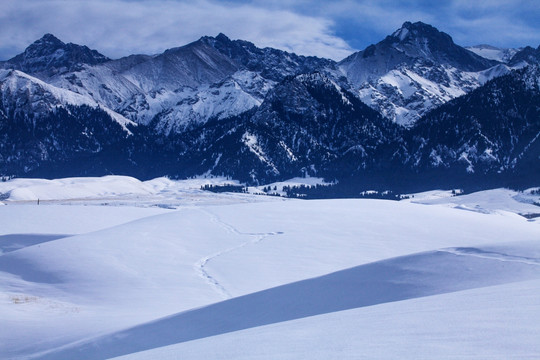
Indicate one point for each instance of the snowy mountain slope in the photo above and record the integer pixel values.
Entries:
(412, 71)
(64, 290)
(307, 124)
(22, 93)
(233, 95)
(405, 94)
(527, 56)
(107, 87)
(190, 65)
(43, 126)
(494, 53)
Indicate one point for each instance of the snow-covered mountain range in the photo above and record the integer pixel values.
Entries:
(225, 106)
(182, 87)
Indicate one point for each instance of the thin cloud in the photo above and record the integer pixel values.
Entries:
(506, 23)
(121, 27)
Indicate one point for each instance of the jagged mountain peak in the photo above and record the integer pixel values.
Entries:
(190, 65)
(417, 40)
(411, 31)
(49, 39)
(420, 40)
(414, 69)
(273, 64)
(51, 55)
(46, 45)
(219, 42)
(222, 37)
(413, 43)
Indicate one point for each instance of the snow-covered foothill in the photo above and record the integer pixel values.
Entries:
(119, 190)
(525, 203)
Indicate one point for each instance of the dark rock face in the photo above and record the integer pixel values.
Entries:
(271, 63)
(528, 56)
(51, 55)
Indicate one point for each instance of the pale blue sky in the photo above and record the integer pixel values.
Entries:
(330, 29)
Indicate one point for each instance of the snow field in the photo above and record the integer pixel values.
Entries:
(245, 276)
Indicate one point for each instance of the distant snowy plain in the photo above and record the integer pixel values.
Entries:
(114, 267)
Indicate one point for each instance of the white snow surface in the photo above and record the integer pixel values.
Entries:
(118, 190)
(498, 322)
(486, 202)
(494, 53)
(14, 81)
(405, 94)
(173, 272)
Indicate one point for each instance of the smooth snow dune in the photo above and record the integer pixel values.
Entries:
(408, 277)
(496, 322)
(317, 237)
(77, 219)
(106, 280)
(9, 243)
(488, 201)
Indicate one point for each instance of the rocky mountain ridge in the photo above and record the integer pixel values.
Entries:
(222, 106)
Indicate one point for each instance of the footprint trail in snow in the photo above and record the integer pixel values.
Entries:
(200, 266)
